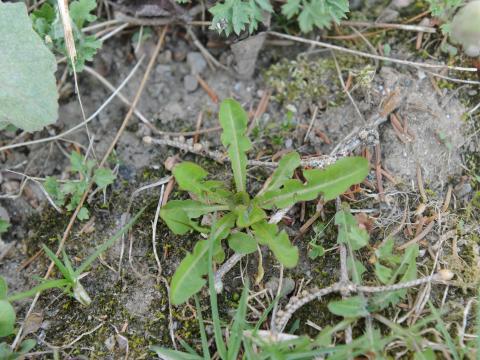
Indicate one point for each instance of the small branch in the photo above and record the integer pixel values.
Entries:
(296, 303)
(372, 56)
(417, 28)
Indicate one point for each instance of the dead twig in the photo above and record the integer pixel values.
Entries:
(307, 296)
(360, 53)
(415, 28)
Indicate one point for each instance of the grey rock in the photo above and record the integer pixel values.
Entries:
(197, 63)
(190, 83)
(163, 69)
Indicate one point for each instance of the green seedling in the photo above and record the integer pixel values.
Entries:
(236, 16)
(69, 283)
(316, 249)
(4, 225)
(70, 193)
(241, 219)
(390, 268)
(6, 353)
(48, 24)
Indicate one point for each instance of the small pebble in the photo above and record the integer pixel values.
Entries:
(190, 83)
(197, 63)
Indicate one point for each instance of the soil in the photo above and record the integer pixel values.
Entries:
(129, 301)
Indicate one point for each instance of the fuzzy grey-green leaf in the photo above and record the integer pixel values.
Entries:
(331, 182)
(233, 120)
(28, 92)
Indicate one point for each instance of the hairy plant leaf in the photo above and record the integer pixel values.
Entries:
(169, 354)
(233, 120)
(83, 214)
(383, 273)
(103, 177)
(385, 253)
(291, 8)
(284, 171)
(7, 318)
(242, 243)
(349, 232)
(406, 271)
(321, 13)
(191, 177)
(80, 12)
(239, 324)
(355, 269)
(4, 225)
(249, 215)
(331, 182)
(351, 307)
(178, 215)
(188, 278)
(28, 90)
(278, 242)
(3, 288)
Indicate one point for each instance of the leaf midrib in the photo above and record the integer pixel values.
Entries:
(235, 155)
(307, 189)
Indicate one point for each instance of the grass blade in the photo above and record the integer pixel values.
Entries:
(203, 334)
(58, 263)
(236, 334)
(107, 244)
(441, 327)
(222, 351)
(167, 354)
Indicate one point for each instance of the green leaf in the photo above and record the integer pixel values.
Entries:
(249, 215)
(284, 171)
(316, 251)
(7, 318)
(407, 270)
(265, 5)
(83, 214)
(28, 91)
(177, 214)
(190, 176)
(3, 288)
(239, 324)
(103, 177)
(351, 307)
(52, 186)
(77, 162)
(242, 243)
(233, 120)
(27, 345)
(267, 234)
(355, 269)
(80, 12)
(58, 263)
(427, 354)
(383, 273)
(165, 353)
(240, 16)
(349, 232)
(385, 253)
(4, 225)
(291, 8)
(188, 278)
(331, 182)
